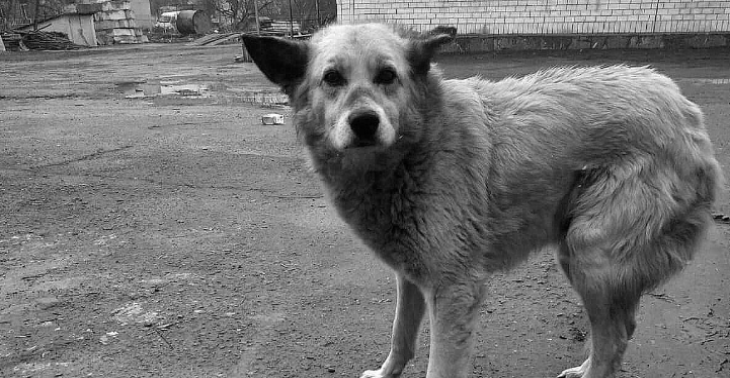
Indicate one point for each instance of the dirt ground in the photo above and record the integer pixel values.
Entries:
(177, 236)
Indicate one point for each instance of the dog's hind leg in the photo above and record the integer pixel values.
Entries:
(611, 270)
(625, 230)
(454, 312)
(611, 306)
(410, 308)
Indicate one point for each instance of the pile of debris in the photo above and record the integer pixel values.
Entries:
(114, 20)
(38, 40)
(12, 41)
(216, 39)
(115, 23)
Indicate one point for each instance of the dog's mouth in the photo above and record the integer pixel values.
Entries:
(363, 143)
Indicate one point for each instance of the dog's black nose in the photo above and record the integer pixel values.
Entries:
(364, 125)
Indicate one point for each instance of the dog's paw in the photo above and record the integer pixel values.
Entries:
(576, 372)
(377, 374)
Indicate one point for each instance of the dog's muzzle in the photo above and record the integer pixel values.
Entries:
(364, 126)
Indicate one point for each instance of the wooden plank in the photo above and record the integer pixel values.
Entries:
(204, 40)
(224, 39)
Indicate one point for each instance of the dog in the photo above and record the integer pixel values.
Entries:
(448, 181)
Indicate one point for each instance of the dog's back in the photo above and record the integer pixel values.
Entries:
(617, 144)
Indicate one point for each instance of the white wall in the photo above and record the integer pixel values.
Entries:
(546, 16)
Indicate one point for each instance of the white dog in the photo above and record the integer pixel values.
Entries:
(449, 180)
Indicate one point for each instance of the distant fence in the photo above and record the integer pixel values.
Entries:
(546, 16)
(281, 24)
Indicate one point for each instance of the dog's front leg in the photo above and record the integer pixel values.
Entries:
(410, 308)
(454, 311)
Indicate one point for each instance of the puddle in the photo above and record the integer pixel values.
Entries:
(179, 89)
(35, 367)
(134, 90)
(725, 81)
(262, 98)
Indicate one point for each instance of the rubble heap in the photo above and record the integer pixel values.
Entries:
(113, 21)
(40, 40)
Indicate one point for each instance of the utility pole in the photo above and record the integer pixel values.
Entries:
(35, 14)
(256, 14)
(291, 20)
(319, 15)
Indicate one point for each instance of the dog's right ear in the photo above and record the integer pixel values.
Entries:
(448, 30)
(283, 61)
(422, 49)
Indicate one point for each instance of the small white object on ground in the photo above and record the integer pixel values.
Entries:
(272, 119)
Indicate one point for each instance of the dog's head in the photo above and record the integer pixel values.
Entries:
(351, 86)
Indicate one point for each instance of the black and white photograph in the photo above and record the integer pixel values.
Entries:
(364, 188)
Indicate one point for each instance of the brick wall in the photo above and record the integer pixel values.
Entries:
(545, 16)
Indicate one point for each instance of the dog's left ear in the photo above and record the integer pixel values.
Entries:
(422, 50)
(283, 61)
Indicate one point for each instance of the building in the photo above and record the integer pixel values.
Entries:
(142, 13)
(78, 26)
(546, 17)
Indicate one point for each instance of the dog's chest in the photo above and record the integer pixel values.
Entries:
(396, 217)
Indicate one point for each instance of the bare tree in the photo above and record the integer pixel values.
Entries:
(238, 11)
(14, 13)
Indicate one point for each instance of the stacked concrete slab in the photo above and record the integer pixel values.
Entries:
(114, 22)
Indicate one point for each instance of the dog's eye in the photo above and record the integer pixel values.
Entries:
(386, 76)
(334, 78)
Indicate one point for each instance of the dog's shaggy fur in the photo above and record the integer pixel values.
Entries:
(448, 180)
